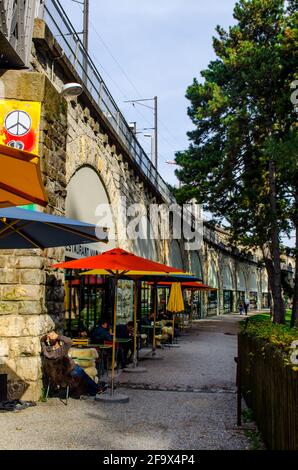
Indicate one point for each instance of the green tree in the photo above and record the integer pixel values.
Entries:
(240, 110)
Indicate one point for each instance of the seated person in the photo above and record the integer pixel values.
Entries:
(148, 319)
(100, 333)
(125, 331)
(162, 315)
(62, 369)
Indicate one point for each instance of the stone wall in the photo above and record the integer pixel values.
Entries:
(73, 134)
(31, 295)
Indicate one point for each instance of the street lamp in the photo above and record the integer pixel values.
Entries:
(85, 33)
(172, 162)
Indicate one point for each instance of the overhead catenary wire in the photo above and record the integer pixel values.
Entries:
(161, 135)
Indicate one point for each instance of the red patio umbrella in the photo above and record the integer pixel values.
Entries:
(118, 262)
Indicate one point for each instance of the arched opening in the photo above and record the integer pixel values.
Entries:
(265, 301)
(227, 290)
(196, 296)
(241, 287)
(196, 265)
(212, 295)
(253, 290)
(87, 200)
(143, 245)
(175, 256)
(87, 297)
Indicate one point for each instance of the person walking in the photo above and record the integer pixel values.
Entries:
(246, 305)
(241, 308)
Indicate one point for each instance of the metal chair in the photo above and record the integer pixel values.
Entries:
(60, 387)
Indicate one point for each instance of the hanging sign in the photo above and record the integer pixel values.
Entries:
(19, 124)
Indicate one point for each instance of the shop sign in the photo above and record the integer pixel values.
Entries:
(80, 251)
(19, 124)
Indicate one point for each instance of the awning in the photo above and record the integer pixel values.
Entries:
(20, 178)
(20, 228)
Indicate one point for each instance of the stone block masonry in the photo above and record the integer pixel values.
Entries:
(31, 294)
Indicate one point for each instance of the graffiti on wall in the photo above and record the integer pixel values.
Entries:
(19, 124)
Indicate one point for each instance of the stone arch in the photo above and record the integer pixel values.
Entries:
(253, 290)
(213, 281)
(241, 287)
(228, 289)
(145, 245)
(264, 281)
(85, 192)
(241, 281)
(196, 268)
(196, 264)
(264, 289)
(227, 278)
(252, 281)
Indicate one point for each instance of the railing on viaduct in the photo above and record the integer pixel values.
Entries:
(65, 34)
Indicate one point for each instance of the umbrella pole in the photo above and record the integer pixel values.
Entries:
(154, 317)
(114, 337)
(135, 368)
(173, 328)
(191, 306)
(135, 306)
(113, 397)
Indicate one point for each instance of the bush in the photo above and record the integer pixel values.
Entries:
(261, 327)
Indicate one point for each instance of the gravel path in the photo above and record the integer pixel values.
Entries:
(162, 417)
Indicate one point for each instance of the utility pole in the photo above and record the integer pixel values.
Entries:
(86, 25)
(86, 38)
(154, 156)
(155, 132)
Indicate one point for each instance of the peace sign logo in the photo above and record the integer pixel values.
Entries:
(17, 123)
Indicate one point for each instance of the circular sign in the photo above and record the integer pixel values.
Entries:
(17, 123)
(16, 144)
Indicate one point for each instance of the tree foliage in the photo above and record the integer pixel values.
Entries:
(244, 125)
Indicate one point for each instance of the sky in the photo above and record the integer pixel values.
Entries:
(147, 48)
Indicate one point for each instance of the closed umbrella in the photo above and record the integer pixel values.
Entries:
(20, 178)
(191, 285)
(175, 302)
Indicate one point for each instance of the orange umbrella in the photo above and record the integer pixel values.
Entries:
(118, 262)
(20, 178)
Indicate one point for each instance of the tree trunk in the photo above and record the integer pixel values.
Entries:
(278, 304)
(270, 271)
(294, 317)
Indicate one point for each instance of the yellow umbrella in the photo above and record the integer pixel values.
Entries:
(176, 302)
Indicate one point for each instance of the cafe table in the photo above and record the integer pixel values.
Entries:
(149, 329)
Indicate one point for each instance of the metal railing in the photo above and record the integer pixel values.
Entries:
(65, 34)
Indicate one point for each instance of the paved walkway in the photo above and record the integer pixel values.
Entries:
(186, 400)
